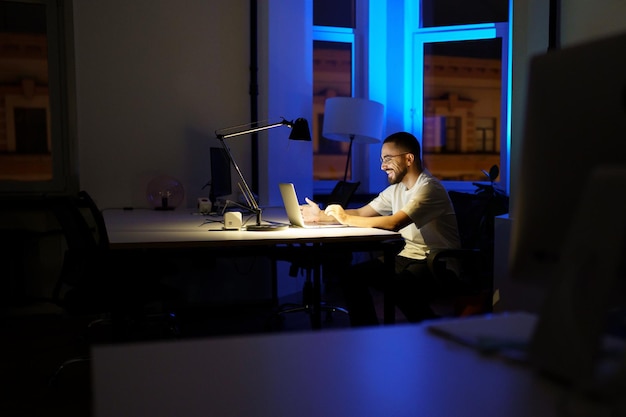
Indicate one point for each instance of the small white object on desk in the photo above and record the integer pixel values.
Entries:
(232, 220)
(204, 205)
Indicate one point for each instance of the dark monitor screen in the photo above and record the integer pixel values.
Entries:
(220, 174)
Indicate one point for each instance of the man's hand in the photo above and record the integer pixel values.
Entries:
(310, 211)
(336, 211)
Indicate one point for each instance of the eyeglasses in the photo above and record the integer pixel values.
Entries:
(387, 158)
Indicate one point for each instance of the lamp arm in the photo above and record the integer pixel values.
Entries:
(283, 122)
(234, 203)
(245, 189)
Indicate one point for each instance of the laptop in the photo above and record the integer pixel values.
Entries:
(292, 207)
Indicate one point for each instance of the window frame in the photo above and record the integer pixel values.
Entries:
(415, 79)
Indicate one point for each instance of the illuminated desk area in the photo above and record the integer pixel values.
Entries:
(129, 229)
(185, 230)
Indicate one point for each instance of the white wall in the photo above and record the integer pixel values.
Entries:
(154, 79)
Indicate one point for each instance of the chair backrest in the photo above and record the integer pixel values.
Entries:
(83, 227)
(470, 210)
(94, 215)
(342, 193)
(74, 226)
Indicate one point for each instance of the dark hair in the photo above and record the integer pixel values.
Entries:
(406, 142)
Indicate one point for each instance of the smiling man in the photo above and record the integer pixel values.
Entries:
(415, 204)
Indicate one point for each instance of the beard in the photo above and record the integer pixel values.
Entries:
(397, 177)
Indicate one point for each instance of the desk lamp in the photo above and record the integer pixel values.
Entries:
(299, 131)
(350, 119)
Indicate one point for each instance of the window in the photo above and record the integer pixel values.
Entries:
(486, 134)
(34, 129)
(460, 88)
(334, 58)
(454, 92)
(339, 70)
(333, 67)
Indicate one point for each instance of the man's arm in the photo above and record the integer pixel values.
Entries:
(366, 216)
(312, 213)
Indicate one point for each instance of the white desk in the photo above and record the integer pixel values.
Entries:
(184, 230)
(395, 371)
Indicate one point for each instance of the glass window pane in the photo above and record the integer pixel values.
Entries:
(463, 12)
(486, 134)
(25, 138)
(332, 77)
(484, 48)
(338, 13)
(462, 108)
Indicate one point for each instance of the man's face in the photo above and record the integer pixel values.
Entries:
(393, 162)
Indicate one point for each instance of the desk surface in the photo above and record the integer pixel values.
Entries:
(401, 370)
(128, 228)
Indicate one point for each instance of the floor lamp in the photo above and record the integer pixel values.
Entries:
(299, 131)
(351, 119)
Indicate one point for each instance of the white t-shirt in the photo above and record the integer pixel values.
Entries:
(427, 203)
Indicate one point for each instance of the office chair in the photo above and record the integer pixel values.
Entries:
(467, 273)
(96, 280)
(310, 290)
(121, 291)
(341, 194)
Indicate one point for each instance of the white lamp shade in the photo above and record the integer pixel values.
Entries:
(347, 118)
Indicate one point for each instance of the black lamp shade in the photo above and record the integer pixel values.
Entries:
(300, 130)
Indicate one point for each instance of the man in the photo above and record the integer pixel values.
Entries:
(417, 205)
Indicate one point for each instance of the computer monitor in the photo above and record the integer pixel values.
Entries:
(569, 229)
(220, 175)
(575, 122)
